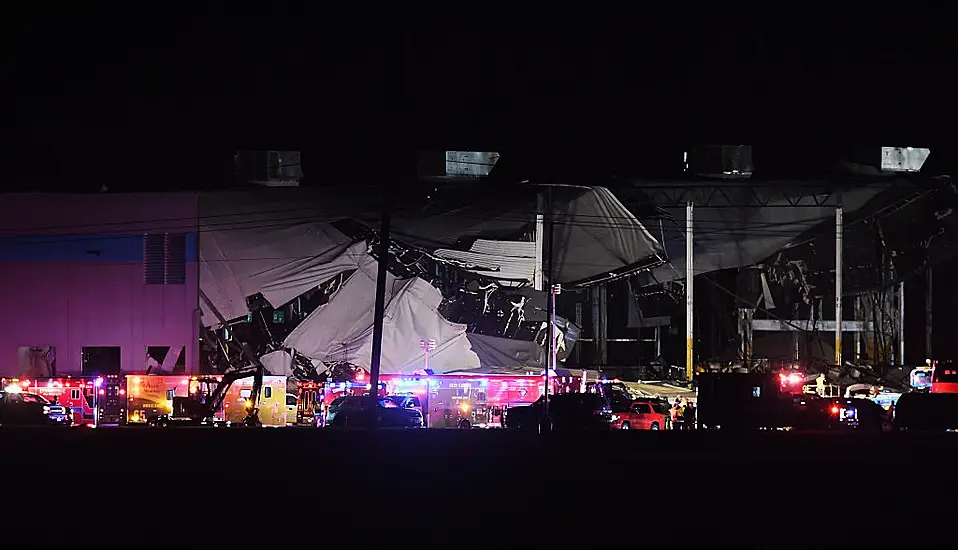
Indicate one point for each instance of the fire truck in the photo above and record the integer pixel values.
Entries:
(944, 377)
(473, 400)
(110, 399)
(310, 403)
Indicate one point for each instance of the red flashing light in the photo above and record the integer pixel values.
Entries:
(790, 378)
(360, 375)
(102, 392)
(835, 410)
(122, 392)
(25, 383)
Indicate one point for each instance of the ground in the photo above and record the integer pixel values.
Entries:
(586, 488)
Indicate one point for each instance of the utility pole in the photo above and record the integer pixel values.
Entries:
(929, 354)
(901, 323)
(689, 297)
(380, 307)
(838, 285)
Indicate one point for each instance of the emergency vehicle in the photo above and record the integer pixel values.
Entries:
(330, 391)
(752, 400)
(272, 401)
(110, 399)
(77, 394)
(150, 395)
(944, 378)
(472, 400)
(309, 402)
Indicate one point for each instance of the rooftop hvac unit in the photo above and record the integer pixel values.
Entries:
(722, 161)
(903, 159)
(470, 163)
(269, 168)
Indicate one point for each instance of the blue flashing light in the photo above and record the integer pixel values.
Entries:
(410, 382)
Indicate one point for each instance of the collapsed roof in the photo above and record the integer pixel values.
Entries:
(283, 244)
(737, 236)
(595, 234)
(343, 328)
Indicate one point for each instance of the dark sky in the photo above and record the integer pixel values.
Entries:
(97, 95)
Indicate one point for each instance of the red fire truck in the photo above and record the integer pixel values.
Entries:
(473, 400)
(944, 378)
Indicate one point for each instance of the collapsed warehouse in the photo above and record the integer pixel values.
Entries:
(465, 269)
(767, 252)
(288, 272)
(291, 273)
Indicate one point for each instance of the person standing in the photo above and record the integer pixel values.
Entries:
(689, 416)
(679, 422)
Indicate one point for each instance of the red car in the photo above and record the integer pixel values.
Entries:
(642, 415)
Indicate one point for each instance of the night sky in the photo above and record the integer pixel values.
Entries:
(100, 94)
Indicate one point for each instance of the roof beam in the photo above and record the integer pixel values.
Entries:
(777, 325)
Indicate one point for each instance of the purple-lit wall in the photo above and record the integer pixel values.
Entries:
(72, 274)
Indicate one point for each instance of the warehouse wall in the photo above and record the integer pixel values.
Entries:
(80, 271)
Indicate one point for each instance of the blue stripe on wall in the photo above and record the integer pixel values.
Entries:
(80, 248)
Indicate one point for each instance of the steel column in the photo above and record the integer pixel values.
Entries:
(838, 285)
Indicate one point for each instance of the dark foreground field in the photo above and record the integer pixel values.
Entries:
(590, 489)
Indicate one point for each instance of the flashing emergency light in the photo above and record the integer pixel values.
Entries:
(360, 376)
(25, 383)
(13, 388)
(835, 409)
(790, 378)
(98, 382)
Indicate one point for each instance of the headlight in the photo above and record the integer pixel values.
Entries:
(46, 409)
(615, 417)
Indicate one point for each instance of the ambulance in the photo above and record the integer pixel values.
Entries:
(77, 394)
(272, 401)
